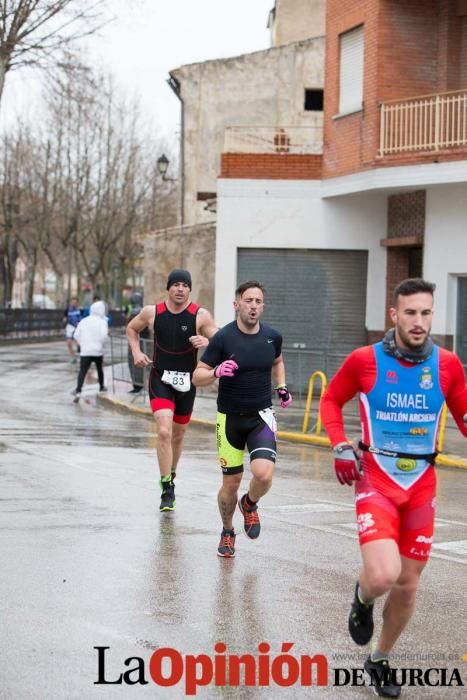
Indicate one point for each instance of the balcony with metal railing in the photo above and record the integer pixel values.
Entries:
(294, 140)
(429, 123)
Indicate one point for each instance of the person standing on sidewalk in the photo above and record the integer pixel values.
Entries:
(181, 327)
(403, 383)
(91, 334)
(243, 355)
(136, 373)
(71, 318)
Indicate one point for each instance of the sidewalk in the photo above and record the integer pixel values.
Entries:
(289, 420)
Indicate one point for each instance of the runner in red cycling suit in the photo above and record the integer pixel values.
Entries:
(402, 385)
(399, 503)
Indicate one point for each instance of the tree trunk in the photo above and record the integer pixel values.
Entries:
(3, 274)
(3, 72)
(30, 278)
(10, 265)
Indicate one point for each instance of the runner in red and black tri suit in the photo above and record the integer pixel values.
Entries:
(180, 328)
(403, 383)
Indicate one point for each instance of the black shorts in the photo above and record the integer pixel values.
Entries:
(163, 395)
(235, 431)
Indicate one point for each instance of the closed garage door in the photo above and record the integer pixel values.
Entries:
(316, 298)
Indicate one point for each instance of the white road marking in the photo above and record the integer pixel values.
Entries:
(455, 546)
(443, 521)
(308, 508)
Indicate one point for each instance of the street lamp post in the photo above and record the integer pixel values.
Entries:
(162, 166)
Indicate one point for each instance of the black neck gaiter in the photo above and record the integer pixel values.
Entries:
(415, 356)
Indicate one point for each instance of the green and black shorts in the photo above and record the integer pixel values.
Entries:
(235, 431)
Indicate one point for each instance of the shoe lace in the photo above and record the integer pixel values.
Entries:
(168, 490)
(228, 540)
(251, 517)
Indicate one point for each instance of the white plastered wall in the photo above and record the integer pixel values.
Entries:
(292, 214)
(445, 250)
(265, 88)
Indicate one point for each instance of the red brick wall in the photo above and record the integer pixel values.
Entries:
(271, 166)
(408, 37)
(344, 138)
(463, 52)
(412, 47)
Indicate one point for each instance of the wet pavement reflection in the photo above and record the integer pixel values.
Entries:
(88, 561)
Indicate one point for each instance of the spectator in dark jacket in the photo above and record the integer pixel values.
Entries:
(137, 373)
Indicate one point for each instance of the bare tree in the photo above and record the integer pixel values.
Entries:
(13, 212)
(33, 31)
(77, 189)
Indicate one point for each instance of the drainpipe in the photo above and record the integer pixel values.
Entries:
(175, 85)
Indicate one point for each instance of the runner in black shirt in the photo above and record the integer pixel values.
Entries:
(180, 329)
(243, 355)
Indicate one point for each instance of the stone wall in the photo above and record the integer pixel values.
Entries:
(296, 20)
(190, 247)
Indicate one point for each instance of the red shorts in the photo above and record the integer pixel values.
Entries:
(164, 396)
(387, 511)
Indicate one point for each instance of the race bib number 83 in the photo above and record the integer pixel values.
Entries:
(178, 380)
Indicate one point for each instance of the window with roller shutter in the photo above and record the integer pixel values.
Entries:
(351, 71)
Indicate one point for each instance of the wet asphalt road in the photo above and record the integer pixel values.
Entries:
(88, 560)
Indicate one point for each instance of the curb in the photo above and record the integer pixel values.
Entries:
(444, 460)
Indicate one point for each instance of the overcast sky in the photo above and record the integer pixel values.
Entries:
(151, 37)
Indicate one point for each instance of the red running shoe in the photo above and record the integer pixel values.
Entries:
(251, 523)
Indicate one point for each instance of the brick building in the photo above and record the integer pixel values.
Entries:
(331, 231)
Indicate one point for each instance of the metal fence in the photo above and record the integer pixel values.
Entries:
(121, 358)
(271, 139)
(27, 323)
(300, 364)
(17, 324)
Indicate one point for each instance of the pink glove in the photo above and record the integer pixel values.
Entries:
(284, 395)
(346, 464)
(225, 369)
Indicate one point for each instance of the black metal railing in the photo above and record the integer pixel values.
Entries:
(17, 324)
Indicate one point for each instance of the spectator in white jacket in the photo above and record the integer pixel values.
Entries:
(91, 334)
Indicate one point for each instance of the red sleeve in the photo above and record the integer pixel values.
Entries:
(357, 373)
(193, 308)
(453, 386)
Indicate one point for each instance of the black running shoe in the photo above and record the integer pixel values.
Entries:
(167, 496)
(361, 620)
(251, 523)
(226, 546)
(381, 678)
